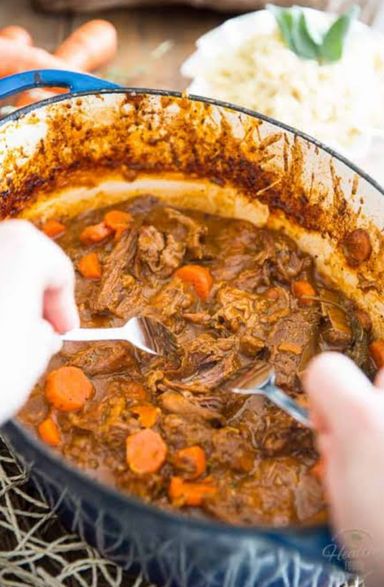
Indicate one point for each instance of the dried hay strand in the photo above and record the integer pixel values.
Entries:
(35, 549)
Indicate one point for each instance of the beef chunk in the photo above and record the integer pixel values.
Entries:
(292, 338)
(112, 290)
(181, 431)
(176, 403)
(200, 318)
(194, 232)
(267, 494)
(103, 357)
(158, 252)
(231, 266)
(206, 364)
(172, 299)
(237, 308)
(250, 279)
(232, 450)
(250, 345)
(170, 303)
(289, 264)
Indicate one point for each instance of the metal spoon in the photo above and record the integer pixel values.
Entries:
(146, 334)
(265, 385)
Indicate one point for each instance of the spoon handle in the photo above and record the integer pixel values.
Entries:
(286, 403)
(87, 334)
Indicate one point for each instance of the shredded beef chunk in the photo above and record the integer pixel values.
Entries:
(102, 358)
(230, 301)
(193, 234)
(113, 288)
(160, 253)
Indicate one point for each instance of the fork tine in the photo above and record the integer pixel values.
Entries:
(137, 334)
(150, 335)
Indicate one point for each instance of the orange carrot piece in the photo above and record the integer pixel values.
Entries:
(117, 220)
(147, 413)
(192, 460)
(198, 276)
(95, 233)
(90, 46)
(49, 432)
(183, 492)
(67, 388)
(376, 349)
(17, 34)
(53, 228)
(146, 451)
(89, 266)
(290, 347)
(302, 289)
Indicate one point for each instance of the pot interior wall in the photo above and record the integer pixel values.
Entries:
(93, 150)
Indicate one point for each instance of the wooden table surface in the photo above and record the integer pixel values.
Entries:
(153, 42)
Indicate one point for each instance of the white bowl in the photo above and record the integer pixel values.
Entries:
(367, 148)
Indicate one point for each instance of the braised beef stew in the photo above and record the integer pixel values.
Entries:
(168, 429)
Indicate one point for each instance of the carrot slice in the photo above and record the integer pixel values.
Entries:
(192, 460)
(302, 289)
(147, 413)
(49, 432)
(53, 228)
(146, 451)
(290, 347)
(67, 388)
(95, 233)
(183, 492)
(89, 266)
(198, 276)
(376, 349)
(117, 220)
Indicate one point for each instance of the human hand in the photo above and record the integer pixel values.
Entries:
(36, 304)
(348, 415)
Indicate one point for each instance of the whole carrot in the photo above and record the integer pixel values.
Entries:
(17, 34)
(16, 57)
(90, 46)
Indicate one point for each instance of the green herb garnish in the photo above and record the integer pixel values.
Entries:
(299, 37)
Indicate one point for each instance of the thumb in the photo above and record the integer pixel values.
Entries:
(349, 419)
(339, 394)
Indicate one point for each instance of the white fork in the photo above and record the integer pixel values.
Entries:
(142, 332)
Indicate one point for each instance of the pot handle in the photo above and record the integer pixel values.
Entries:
(56, 78)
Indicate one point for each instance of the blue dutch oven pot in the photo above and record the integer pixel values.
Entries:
(168, 548)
